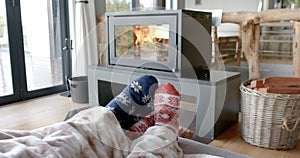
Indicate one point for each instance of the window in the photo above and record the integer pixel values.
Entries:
(143, 5)
(117, 5)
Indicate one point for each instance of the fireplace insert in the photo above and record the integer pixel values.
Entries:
(176, 41)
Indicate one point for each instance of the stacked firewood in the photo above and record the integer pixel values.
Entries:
(185, 132)
(279, 85)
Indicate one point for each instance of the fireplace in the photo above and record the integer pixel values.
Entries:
(175, 41)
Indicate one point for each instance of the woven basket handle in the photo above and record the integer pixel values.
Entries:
(285, 124)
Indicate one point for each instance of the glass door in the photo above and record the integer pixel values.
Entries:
(42, 53)
(5, 69)
(31, 54)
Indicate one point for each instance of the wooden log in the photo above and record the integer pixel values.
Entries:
(280, 90)
(237, 17)
(262, 16)
(278, 24)
(250, 47)
(185, 132)
(296, 49)
(101, 26)
(257, 84)
(279, 15)
(281, 82)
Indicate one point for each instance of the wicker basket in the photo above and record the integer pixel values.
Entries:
(269, 120)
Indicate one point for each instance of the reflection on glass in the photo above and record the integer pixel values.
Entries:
(6, 87)
(41, 44)
(140, 41)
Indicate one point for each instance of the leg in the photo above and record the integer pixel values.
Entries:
(166, 107)
(135, 101)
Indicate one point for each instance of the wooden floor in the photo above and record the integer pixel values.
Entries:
(44, 111)
(36, 113)
(231, 140)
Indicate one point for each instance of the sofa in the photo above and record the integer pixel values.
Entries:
(194, 147)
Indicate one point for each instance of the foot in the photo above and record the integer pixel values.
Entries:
(140, 127)
(166, 107)
(135, 101)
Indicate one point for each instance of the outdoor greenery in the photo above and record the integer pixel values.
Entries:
(117, 5)
(287, 3)
(2, 25)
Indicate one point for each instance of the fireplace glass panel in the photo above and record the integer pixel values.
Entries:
(146, 42)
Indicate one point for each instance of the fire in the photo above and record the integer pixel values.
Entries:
(164, 42)
(142, 35)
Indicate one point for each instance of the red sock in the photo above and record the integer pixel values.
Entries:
(166, 107)
(140, 127)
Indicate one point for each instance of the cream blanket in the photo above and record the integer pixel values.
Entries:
(94, 132)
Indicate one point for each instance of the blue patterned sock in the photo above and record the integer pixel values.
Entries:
(135, 101)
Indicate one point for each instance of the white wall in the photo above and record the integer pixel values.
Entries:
(225, 5)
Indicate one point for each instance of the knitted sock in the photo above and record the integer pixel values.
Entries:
(135, 101)
(140, 127)
(166, 107)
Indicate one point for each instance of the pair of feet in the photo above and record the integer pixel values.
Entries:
(136, 109)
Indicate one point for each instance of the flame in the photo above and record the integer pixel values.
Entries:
(149, 34)
(164, 42)
(142, 35)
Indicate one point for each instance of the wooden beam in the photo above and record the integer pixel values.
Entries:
(278, 24)
(296, 49)
(250, 47)
(279, 15)
(237, 17)
(262, 16)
